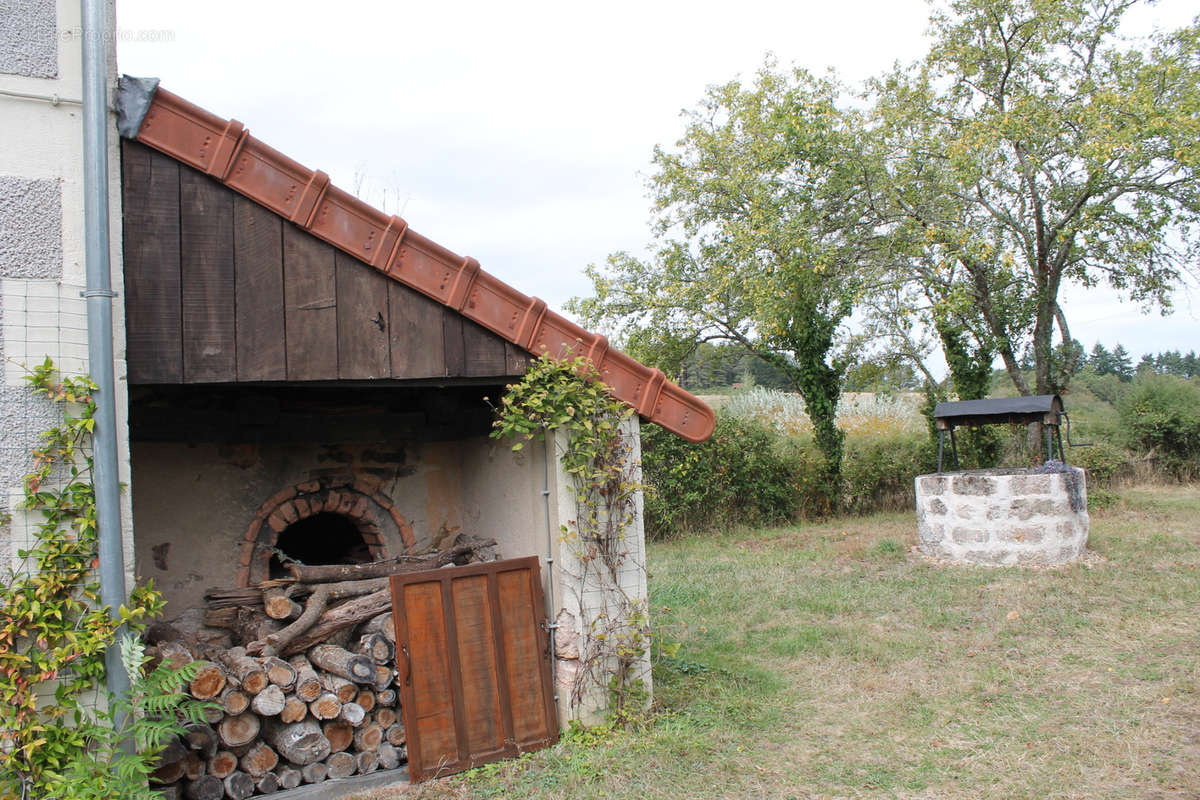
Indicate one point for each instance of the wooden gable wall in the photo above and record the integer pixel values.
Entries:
(220, 290)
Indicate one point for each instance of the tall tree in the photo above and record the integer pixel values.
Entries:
(1030, 149)
(763, 238)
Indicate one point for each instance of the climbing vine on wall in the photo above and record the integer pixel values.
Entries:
(566, 395)
(53, 628)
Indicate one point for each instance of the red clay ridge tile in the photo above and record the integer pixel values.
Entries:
(225, 150)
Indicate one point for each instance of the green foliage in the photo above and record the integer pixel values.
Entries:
(102, 768)
(566, 395)
(1162, 415)
(739, 475)
(53, 630)
(762, 239)
(879, 470)
(1035, 146)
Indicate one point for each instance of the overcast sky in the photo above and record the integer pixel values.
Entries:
(520, 133)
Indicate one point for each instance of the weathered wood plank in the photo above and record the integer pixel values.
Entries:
(362, 320)
(415, 333)
(206, 265)
(483, 351)
(516, 360)
(258, 261)
(455, 349)
(310, 298)
(150, 187)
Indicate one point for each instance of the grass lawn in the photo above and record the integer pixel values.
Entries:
(826, 660)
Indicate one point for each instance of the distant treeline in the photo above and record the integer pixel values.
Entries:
(1118, 362)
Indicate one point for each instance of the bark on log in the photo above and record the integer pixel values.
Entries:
(384, 675)
(278, 641)
(389, 757)
(194, 766)
(259, 761)
(172, 792)
(300, 743)
(249, 672)
(202, 738)
(352, 666)
(377, 647)
(169, 773)
(267, 784)
(294, 709)
(328, 573)
(208, 683)
(340, 765)
(234, 701)
(173, 752)
(327, 706)
(213, 714)
(346, 690)
(339, 734)
(206, 787)
(238, 786)
(269, 702)
(366, 699)
(239, 730)
(236, 597)
(289, 777)
(385, 717)
(221, 617)
(280, 673)
(176, 654)
(396, 735)
(367, 761)
(352, 714)
(278, 605)
(314, 773)
(222, 764)
(308, 684)
(368, 737)
(385, 698)
(384, 625)
(336, 619)
(253, 625)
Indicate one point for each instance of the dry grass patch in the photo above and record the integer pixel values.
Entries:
(828, 661)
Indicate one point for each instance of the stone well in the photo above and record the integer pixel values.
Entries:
(1003, 516)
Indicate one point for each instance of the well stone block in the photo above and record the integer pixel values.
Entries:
(1003, 516)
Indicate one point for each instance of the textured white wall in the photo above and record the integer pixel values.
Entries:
(41, 232)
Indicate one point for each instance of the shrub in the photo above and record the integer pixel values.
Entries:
(1161, 414)
(739, 475)
(878, 472)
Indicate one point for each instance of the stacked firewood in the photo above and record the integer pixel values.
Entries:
(299, 673)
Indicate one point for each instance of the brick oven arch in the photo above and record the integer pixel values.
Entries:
(354, 500)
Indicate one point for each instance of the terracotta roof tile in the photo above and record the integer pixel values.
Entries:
(225, 150)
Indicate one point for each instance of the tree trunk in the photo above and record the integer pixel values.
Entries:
(238, 786)
(368, 736)
(384, 717)
(377, 647)
(385, 698)
(278, 605)
(267, 784)
(314, 773)
(367, 761)
(289, 777)
(366, 699)
(308, 685)
(351, 666)
(269, 702)
(346, 615)
(208, 683)
(389, 756)
(294, 709)
(341, 765)
(327, 706)
(300, 743)
(239, 730)
(352, 714)
(234, 701)
(259, 761)
(345, 690)
(206, 787)
(222, 764)
(339, 734)
(201, 737)
(249, 672)
(280, 673)
(396, 735)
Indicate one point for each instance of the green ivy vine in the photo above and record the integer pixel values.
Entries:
(567, 395)
(54, 631)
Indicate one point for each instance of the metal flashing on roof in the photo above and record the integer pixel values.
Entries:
(134, 96)
(226, 151)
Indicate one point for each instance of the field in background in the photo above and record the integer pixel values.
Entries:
(827, 661)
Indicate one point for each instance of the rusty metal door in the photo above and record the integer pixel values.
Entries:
(474, 665)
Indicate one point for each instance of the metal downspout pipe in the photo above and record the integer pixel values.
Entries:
(99, 296)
